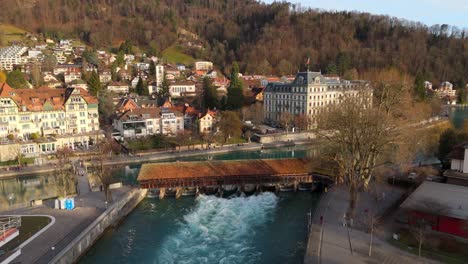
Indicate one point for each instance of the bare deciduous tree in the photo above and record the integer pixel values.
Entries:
(105, 173)
(367, 130)
(420, 226)
(286, 120)
(64, 171)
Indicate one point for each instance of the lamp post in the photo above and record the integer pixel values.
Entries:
(11, 196)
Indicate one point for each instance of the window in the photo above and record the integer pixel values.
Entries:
(82, 114)
(83, 122)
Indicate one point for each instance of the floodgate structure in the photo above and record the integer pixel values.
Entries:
(226, 177)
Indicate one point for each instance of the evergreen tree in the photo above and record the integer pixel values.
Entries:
(235, 97)
(94, 84)
(163, 92)
(152, 69)
(210, 98)
(141, 87)
(419, 88)
(114, 74)
(16, 79)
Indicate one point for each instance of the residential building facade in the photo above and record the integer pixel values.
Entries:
(142, 122)
(57, 117)
(179, 89)
(11, 56)
(203, 66)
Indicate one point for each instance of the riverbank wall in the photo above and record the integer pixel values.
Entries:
(109, 218)
(158, 156)
(284, 137)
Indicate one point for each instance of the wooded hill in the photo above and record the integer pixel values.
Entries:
(264, 38)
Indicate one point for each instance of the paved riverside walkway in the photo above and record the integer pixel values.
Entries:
(67, 226)
(328, 243)
(150, 156)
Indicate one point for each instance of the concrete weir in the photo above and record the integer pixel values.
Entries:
(225, 178)
(111, 217)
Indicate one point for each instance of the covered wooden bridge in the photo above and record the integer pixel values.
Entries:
(226, 172)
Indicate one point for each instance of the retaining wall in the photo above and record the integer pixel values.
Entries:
(111, 216)
(281, 137)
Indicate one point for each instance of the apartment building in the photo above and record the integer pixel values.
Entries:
(142, 122)
(203, 66)
(179, 89)
(11, 56)
(45, 119)
(309, 92)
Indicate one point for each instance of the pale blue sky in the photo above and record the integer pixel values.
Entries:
(429, 12)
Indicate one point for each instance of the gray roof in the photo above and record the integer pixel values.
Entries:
(308, 78)
(439, 198)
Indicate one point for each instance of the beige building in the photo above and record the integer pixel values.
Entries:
(207, 123)
(309, 92)
(203, 66)
(45, 119)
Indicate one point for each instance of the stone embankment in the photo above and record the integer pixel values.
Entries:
(111, 217)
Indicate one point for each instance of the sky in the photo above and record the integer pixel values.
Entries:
(429, 12)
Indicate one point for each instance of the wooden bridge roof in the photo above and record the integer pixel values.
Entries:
(222, 168)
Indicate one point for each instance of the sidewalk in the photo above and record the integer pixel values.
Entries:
(152, 156)
(328, 243)
(67, 226)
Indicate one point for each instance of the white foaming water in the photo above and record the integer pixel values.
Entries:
(219, 231)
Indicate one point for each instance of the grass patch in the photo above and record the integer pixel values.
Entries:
(11, 33)
(29, 226)
(14, 162)
(234, 140)
(148, 143)
(438, 247)
(174, 54)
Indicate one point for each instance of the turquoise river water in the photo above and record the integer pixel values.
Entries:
(263, 228)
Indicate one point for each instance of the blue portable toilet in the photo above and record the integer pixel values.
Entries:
(70, 204)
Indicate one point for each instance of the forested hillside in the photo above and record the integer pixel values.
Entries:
(263, 38)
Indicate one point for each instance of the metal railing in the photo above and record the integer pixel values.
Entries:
(8, 223)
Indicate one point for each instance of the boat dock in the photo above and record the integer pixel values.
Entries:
(179, 178)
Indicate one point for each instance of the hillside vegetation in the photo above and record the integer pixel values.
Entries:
(265, 38)
(10, 33)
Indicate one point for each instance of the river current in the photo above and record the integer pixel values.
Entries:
(264, 228)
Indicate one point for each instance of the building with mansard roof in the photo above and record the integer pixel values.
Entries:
(306, 95)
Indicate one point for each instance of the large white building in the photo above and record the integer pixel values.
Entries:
(54, 118)
(11, 56)
(309, 92)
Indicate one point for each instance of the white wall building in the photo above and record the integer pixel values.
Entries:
(309, 92)
(120, 88)
(11, 56)
(142, 122)
(182, 89)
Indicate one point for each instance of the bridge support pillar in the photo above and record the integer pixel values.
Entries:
(178, 193)
(162, 193)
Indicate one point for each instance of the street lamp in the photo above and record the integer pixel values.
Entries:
(11, 196)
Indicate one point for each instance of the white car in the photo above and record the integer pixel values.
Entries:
(412, 176)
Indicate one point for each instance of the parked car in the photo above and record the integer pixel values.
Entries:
(412, 176)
